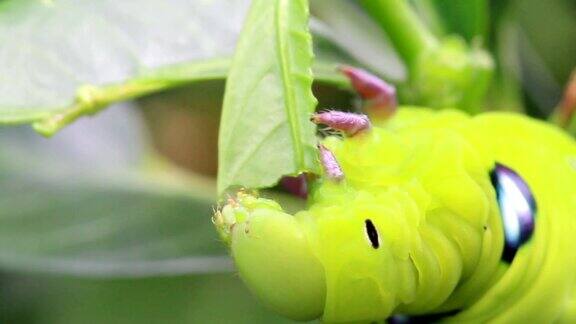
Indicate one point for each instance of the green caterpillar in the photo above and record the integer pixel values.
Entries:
(425, 212)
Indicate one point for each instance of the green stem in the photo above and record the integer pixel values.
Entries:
(407, 32)
(91, 99)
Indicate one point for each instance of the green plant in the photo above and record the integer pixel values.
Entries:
(128, 193)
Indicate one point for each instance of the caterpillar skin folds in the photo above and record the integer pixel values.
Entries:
(436, 212)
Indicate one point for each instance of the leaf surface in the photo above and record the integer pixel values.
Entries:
(82, 203)
(265, 131)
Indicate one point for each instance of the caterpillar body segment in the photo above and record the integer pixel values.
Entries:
(416, 226)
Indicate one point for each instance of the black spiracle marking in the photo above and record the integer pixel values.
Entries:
(421, 319)
(372, 233)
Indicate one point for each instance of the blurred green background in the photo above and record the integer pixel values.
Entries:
(109, 220)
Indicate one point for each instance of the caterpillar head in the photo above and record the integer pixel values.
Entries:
(273, 255)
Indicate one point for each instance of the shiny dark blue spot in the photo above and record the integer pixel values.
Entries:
(517, 208)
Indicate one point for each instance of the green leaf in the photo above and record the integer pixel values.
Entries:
(92, 53)
(52, 48)
(221, 298)
(91, 228)
(265, 131)
(82, 203)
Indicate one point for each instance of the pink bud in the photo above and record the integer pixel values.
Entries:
(297, 186)
(380, 96)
